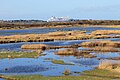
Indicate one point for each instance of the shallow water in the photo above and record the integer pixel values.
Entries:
(108, 55)
(16, 46)
(42, 66)
(46, 67)
(46, 30)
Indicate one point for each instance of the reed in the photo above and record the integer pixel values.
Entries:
(59, 35)
(103, 43)
(109, 65)
(105, 32)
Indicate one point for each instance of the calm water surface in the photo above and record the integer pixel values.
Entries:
(46, 30)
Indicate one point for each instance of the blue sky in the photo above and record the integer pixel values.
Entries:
(44, 9)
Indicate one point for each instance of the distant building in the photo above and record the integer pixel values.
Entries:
(58, 19)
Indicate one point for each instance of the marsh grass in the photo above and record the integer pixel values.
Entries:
(75, 52)
(96, 74)
(104, 49)
(35, 46)
(110, 65)
(59, 35)
(113, 26)
(103, 43)
(102, 73)
(15, 54)
(105, 32)
(68, 51)
(61, 62)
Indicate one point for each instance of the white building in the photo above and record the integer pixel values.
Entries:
(58, 19)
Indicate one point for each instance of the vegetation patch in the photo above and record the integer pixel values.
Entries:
(21, 24)
(113, 26)
(14, 54)
(105, 43)
(35, 46)
(102, 46)
(69, 51)
(105, 32)
(104, 49)
(61, 62)
(75, 52)
(59, 35)
(48, 59)
(109, 65)
(102, 73)
(43, 47)
(96, 74)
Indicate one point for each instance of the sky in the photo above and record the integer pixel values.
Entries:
(44, 9)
